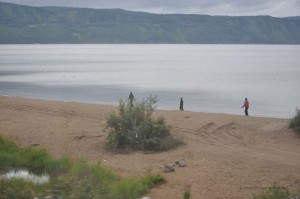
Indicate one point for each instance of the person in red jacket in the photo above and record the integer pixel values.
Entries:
(246, 105)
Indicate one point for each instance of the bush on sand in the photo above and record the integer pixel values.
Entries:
(133, 127)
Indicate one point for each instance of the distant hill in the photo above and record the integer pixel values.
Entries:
(24, 24)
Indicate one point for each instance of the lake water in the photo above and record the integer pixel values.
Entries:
(210, 78)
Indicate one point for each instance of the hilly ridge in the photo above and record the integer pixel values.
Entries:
(24, 24)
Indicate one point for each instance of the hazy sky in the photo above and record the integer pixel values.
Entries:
(276, 8)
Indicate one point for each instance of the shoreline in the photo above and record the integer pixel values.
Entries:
(228, 156)
(158, 109)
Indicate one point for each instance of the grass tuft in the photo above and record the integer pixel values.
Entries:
(187, 194)
(274, 192)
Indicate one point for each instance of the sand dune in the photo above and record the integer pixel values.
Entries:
(227, 156)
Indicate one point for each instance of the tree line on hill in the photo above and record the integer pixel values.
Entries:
(26, 25)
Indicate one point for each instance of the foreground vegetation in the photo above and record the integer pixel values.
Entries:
(295, 122)
(68, 179)
(133, 127)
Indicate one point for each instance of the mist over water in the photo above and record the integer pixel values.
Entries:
(210, 78)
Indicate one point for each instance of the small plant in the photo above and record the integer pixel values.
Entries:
(153, 180)
(133, 127)
(187, 194)
(295, 122)
(133, 188)
(274, 192)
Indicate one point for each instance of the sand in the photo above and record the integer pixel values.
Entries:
(228, 156)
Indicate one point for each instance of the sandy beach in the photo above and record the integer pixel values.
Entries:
(228, 156)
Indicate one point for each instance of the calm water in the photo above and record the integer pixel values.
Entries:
(210, 78)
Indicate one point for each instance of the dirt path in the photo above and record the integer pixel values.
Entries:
(227, 156)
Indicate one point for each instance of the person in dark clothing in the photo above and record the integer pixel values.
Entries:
(181, 104)
(246, 105)
(131, 98)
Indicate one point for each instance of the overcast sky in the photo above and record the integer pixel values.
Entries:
(276, 8)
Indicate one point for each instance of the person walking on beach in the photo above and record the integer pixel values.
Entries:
(246, 105)
(181, 104)
(131, 98)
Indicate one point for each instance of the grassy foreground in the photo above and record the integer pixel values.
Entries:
(68, 179)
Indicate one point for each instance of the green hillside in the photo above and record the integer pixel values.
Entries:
(23, 24)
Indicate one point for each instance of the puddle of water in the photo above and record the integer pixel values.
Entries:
(26, 176)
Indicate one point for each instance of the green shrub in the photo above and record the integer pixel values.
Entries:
(133, 127)
(295, 122)
(274, 192)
